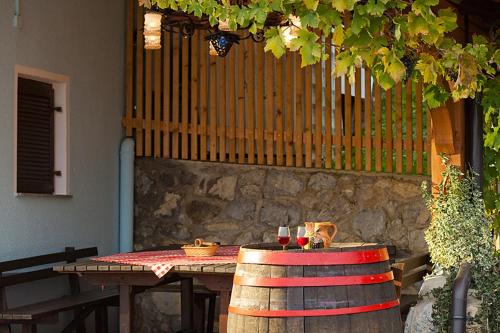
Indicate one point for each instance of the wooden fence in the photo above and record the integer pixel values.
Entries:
(250, 108)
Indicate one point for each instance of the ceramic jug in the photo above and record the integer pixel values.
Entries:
(326, 231)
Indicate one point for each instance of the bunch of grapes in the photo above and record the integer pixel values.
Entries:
(451, 74)
(409, 63)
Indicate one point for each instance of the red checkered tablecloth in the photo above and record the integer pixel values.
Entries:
(161, 262)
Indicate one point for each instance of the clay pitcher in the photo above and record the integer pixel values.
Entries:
(326, 231)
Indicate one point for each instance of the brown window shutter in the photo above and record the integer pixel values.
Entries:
(35, 137)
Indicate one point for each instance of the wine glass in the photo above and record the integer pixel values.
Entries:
(302, 239)
(284, 236)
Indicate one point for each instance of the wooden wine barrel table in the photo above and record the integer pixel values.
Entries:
(345, 288)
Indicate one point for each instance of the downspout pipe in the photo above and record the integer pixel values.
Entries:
(458, 310)
(126, 214)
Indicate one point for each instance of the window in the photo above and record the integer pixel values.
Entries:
(41, 143)
(35, 137)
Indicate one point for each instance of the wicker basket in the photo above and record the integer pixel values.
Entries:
(200, 249)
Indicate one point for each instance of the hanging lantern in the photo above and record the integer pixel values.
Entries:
(290, 31)
(211, 50)
(222, 41)
(152, 30)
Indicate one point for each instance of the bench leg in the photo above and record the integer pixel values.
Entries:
(80, 328)
(211, 314)
(28, 328)
(199, 313)
(187, 304)
(101, 319)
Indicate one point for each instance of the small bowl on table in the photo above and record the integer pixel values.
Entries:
(200, 249)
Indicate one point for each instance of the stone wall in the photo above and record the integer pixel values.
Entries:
(178, 201)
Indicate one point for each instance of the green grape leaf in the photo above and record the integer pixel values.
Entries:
(311, 4)
(342, 5)
(275, 42)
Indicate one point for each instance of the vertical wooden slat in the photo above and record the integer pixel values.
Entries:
(195, 61)
(260, 103)
(399, 127)
(250, 99)
(129, 68)
(357, 120)
(388, 131)
(348, 125)
(378, 128)
(289, 96)
(328, 108)
(139, 88)
(166, 93)
(222, 107)
(231, 83)
(338, 123)
(203, 100)
(419, 132)
(175, 95)
(298, 129)
(269, 110)
(213, 108)
(278, 97)
(157, 103)
(368, 120)
(148, 103)
(241, 102)
(318, 117)
(185, 96)
(409, 128)
(308, 122)
(428, 140)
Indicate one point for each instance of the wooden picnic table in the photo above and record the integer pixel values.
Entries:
(133, 279)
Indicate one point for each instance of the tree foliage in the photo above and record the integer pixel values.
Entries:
(380, 34)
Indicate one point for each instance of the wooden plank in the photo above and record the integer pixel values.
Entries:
(148, 103)
(357, 121)
(157, 104)
(269, 81)
(250, 98)
(203, 100)
(328, 109)
(259, 58)
(222, 64)
(241, 102)
(167, 82)
(338, 124)
(348, 125)
(139, 88)
(318, 115)
(195, 85)
(289, 114)
(308, 122)
(409, 128)
(176, 91)
(212, 87)
(388, 131)
(185, 91)
(368, 120)
(129, 68)
(278, 99)
(428, 139)
(378, 128)
(419, 129)
(399, 127)
(231, 82)
(298, 129)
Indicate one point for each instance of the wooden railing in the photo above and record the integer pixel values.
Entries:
(250, 108)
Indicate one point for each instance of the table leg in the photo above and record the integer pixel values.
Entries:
(225, 297)
(126, 309)
(187, 304)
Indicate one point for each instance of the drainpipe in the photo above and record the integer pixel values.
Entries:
(458, 310)
(126, 224)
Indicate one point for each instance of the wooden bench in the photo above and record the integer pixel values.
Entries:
(408, 271)
(21, 271)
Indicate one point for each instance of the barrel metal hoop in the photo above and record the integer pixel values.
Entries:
(319, 281)
(289, 258)
(313, 312)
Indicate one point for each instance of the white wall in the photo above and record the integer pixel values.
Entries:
(85, 41)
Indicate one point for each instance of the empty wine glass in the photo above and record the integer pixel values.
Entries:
(302, 239)
(284, 236)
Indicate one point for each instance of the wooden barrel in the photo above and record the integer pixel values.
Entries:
(345, 288)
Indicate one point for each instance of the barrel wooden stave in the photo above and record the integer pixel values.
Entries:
(331, 297)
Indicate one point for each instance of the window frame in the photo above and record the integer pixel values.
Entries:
(60, 84)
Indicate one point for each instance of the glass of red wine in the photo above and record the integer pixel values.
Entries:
(284, 236)
(302, 239)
